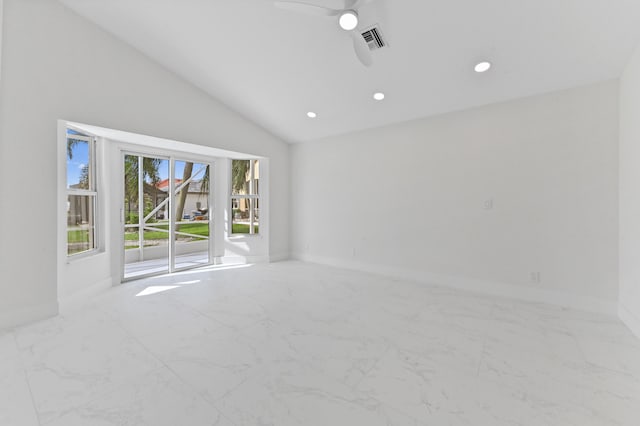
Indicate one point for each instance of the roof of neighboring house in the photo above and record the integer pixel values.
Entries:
(164, 184)
(194, 185)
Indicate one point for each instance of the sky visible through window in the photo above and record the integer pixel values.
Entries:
(80, 158)
(163, 170)
(197, 172)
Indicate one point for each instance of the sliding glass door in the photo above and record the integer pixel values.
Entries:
(191, 241)
(166, 215)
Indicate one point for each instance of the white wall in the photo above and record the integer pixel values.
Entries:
(409, 199)
(630, 194)
(56, 65)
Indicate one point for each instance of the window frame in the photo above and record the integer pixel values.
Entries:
(253, 199)
(91, 192)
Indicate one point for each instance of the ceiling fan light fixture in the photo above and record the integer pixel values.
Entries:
(312, 114)
(483, 66)
(348, 20)
(378, 96)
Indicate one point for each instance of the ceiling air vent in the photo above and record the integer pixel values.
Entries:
(374, 39)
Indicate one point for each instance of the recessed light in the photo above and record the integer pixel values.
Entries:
(378, 96)
(312, 114)
(482, 66)
(348, 20)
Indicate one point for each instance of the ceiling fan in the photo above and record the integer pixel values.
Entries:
(347, 19)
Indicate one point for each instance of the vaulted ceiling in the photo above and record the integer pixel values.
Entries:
(273, 65)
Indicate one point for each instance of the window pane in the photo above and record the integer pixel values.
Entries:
(240, 215)
(155, 188)
(240, 177)
(130, 189)
(80, 223)
(156, 236)
(192, 203)
(192, 191)
(78, 164)
(146, 215)
(256, 216)
(242, 222)
(256, 176)
(245, 178)
(131, 237)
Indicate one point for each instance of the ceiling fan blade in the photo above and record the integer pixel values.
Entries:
(362, 49)
(306, 8)
(355, 4)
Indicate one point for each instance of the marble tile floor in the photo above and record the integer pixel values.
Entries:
(299, 344)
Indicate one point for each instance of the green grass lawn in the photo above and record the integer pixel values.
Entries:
(78, 240)
(78, 236)
(241, 228)
(82, 235)
(189, 228)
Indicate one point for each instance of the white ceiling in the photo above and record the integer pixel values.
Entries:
(273, 65)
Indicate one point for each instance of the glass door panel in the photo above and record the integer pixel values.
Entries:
(192, 214)
(146, 218)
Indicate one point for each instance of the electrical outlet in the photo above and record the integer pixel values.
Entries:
(535, 277)
(488, 204)
(353, 251)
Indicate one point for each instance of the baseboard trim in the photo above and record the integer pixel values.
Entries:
(80, 298)
(629, 319)
(494, 288)
(279, 257)
(28, 314)
(232, 260)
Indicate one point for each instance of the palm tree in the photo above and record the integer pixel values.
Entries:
(239, 170)
(150, 170)
(84, 173)
(186, 175)
(84, 177)
(204, 188)
(204, 183)
(71, 143)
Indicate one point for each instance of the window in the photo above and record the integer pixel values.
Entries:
(81, 193)
(245, 198)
